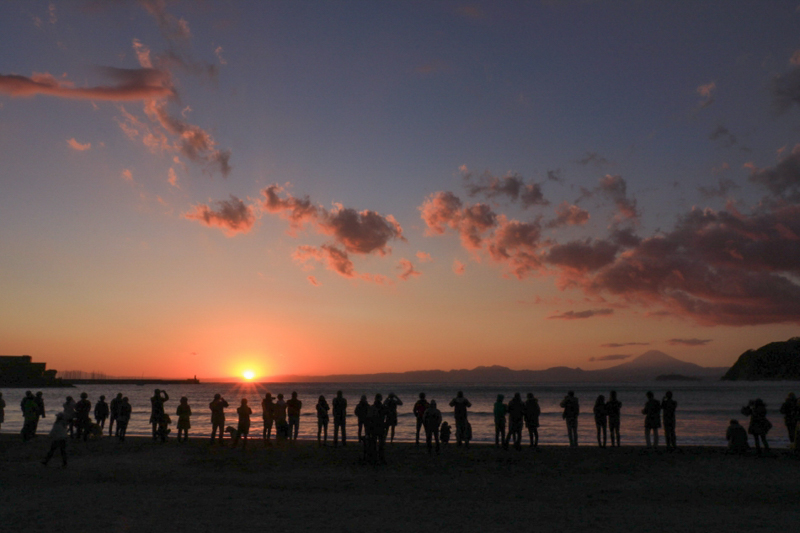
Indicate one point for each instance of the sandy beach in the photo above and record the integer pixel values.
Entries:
(144, 486)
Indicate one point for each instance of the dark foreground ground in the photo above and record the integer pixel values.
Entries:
(143, 486)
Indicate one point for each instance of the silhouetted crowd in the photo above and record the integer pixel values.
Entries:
(377, 421)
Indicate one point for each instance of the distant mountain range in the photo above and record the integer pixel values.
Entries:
(646, 367)
(773, 361)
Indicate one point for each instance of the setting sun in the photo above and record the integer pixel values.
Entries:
(249, 374)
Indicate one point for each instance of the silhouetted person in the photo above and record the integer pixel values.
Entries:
(39, 410)
(217, 406)
(268, 416)
(101, 411)
(163, 427)
(419, 410)
(293, 406)
(243, 429)
(532, 412)
(445, 433)
(58, 440)
(82, 412)
(614, 411)
(516, 416)
(322, 420)
(113, 412)
(652, 419)
(499, 410)
(361, 410)
(2, 410)
(69, 415)
(432, 419)
(737, 438)
(790, 415)
(375, 432)
(392, 401)
(339, 418)
(759, 425)
(668, 408)
(601, 420)
(572, 409)
(125, 410)
(28, 408)
(157, 411)
(281, 425)
(184, 412)
(460, 405)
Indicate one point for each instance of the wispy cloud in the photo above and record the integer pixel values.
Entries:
(408, 270)
(130, 84)
(578, 315)
(613, 357)
(688, 342)
(80, 147)
(707, 92)
(458, 267)
(622, 344)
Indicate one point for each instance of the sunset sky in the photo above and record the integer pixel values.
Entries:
(200, 188)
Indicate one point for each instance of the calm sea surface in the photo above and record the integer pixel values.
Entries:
(704, 409)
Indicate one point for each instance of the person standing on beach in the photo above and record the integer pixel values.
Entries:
(759, 425)
(375, 432)
(184, 412)
(243, 429)
(516, 415)
(217, 406)
(101, 410)
(432, 419)
(460, 406)
(391, 404)
(419, 410)
(29, 416)
(499, 410)
(293, 406)
(58, 437)
(113, 412)
(268, 416)
(281, 426)
(652, 419)
(322, 420)
(157, 411)
(614, 410)
(125, 410)
(668, 408)
(2, 409)
(69, 415)
(339, 418)
(601, 419)
(82, 421)
(532, 412)
(39, 410)
(571, 409)
(361, 411)
(790, 415)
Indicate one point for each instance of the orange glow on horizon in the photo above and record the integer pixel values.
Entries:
(249, 375)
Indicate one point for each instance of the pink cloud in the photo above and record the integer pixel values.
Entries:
(578, 315)
(75, 145)
(458, 267)
(359, 232)
(131, 84)
(232, 216)
(511, 186)
(172, 178)
(569, 215)
(424, 257)
(127, 175)
(312, 280)
(408, 270)
(707, 93)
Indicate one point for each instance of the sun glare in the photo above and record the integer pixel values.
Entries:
(249, 374)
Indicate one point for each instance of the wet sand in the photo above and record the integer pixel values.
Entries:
(144, 486)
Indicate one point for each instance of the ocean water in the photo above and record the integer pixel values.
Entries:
(704, 408)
